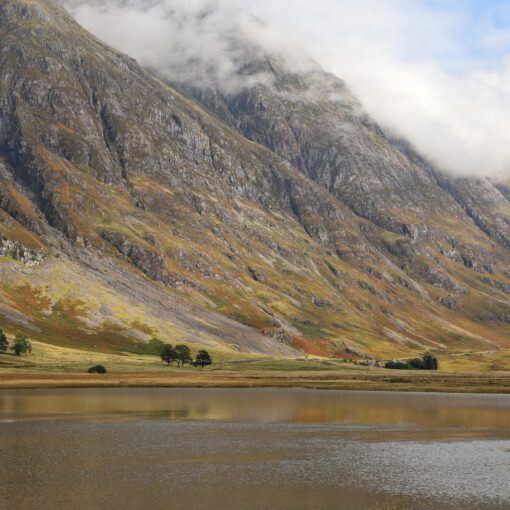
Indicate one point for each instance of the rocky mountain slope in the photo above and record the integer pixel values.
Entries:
(285, 222)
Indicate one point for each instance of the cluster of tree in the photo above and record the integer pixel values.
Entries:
(20, 345)
(428, 362)
(182, 355)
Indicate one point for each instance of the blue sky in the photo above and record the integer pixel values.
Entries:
(434, 71)
(462, 32)
(483, 29)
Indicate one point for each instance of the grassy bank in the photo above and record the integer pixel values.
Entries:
(341, 379)
(54, 367)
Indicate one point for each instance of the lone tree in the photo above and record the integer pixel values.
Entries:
(203, 359)
(168, 354)
(183, 355)
(21, 345)
(430, 362)
(4, 343)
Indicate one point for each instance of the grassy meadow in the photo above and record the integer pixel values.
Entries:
(55, 366)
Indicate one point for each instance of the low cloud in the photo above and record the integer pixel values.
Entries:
(410, 62)
(200, 42)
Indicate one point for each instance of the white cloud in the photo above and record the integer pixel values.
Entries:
(194, 41)
(407, 60)
(410, 66)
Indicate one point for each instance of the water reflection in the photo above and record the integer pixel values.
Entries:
(135, 449)
(438, 411)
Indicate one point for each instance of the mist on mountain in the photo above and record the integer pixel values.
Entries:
(388, 54)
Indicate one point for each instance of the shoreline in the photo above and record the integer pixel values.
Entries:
(478, 383)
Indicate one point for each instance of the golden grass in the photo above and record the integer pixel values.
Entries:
(369, 380)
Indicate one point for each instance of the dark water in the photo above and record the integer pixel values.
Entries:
(252, 449)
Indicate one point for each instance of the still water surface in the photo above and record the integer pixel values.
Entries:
(252, 449)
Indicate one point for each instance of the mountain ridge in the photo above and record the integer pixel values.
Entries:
(177, 225)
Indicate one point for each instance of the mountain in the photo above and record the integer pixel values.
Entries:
(278, 219)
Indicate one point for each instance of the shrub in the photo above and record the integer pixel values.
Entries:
(396, 365)
(98, 369)
(428, 362)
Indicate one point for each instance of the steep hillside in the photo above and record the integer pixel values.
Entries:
(127, 211)
(444, 224)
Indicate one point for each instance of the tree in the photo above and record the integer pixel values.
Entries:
(4, 343)
(417, 364)
(156, 345)
(183, 354)
(21, 345)
(396, 365)
(430, 362)
(168, 354)
(203, 358)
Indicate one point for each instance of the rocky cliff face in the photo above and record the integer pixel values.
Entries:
(313, 121)
(127, 210)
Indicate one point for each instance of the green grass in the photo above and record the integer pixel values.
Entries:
(53, 358)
